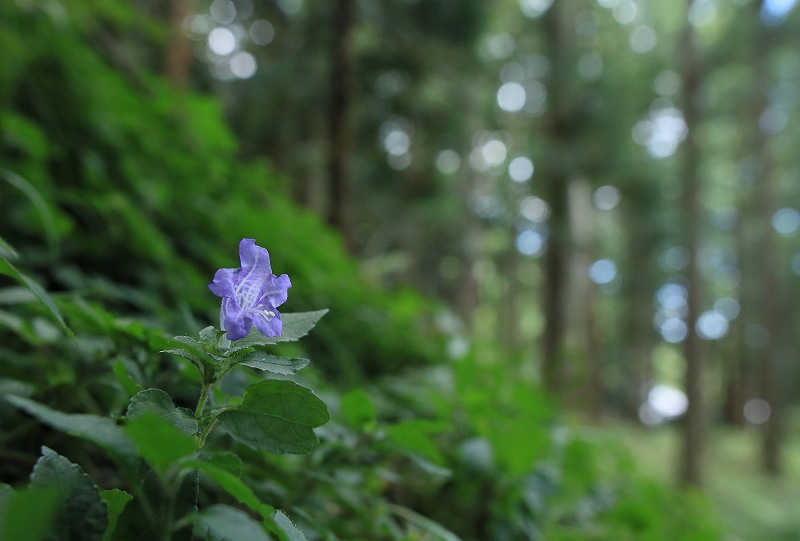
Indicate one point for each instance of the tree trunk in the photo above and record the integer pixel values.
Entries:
(770, 290)
(555, 176)
(584, 298)
(179, 52)
(694, 419)
(339, 133)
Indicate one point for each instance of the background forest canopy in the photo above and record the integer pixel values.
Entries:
(591, 203)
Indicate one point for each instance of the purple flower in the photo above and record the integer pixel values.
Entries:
(250, 294)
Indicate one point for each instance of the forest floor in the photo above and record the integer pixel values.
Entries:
(752, 506)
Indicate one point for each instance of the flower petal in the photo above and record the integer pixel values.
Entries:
(234, 320)
(268, 322)
(254, 257)
(274, 291)
(223, 283)
(250, 294)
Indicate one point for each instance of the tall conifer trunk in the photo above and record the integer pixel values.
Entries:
(694, 419)
(555, 177)
(765, 206)
(339, 133)
(179, 52)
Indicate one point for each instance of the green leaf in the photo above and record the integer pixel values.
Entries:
(211, 337)
(83, 515)
(286, 366)
(416, 435)
(277, 416)
(116, 500)
(164, 509)
(224, 523)
(159, 441)
(290, 531)
(295, 326)
(158, 402)
(101, 430)
(39, 203)
(28, 514)
(437, 531)
(9, 270)
(128, 384)
(225, 460)
(220, 473)
(358, 410)
(7, 251)
(16, 295)
(189, 348)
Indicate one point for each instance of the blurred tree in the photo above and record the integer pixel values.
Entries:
(338, 117)
(769, 311)
(560, 123)
(694, 420)
(179, 52)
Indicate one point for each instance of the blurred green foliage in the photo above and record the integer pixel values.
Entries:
(122, 195)
(139, 185)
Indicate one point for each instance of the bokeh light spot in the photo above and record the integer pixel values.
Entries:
(262, 32)
(534, 209)
(520, 169)
(643, 39)
(223, 11)
(511, 97)
(494, 152)
(448, 161)
(603, 271)
(728, 307)
(530, 242)
(711, 325)
(667, 401)
(757, 411)
(221, 41)
(786, 221)
(605, 197)
(243, 65)
(534, 8)
(674, 330)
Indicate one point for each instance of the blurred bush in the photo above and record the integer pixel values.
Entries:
(140, 195)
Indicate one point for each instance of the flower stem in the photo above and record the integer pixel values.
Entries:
(203, 398)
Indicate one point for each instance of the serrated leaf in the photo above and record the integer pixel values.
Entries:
(9, 270)
(159, 441)
(260, 360)
(289, 530)
(189, 348)
(295, 326)
(231, 483)
(211, 336)
(101, 430)
(83, 515)
(158, 402)
(116, 500)
(28, 513)
(224, 523)
(276, 416)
